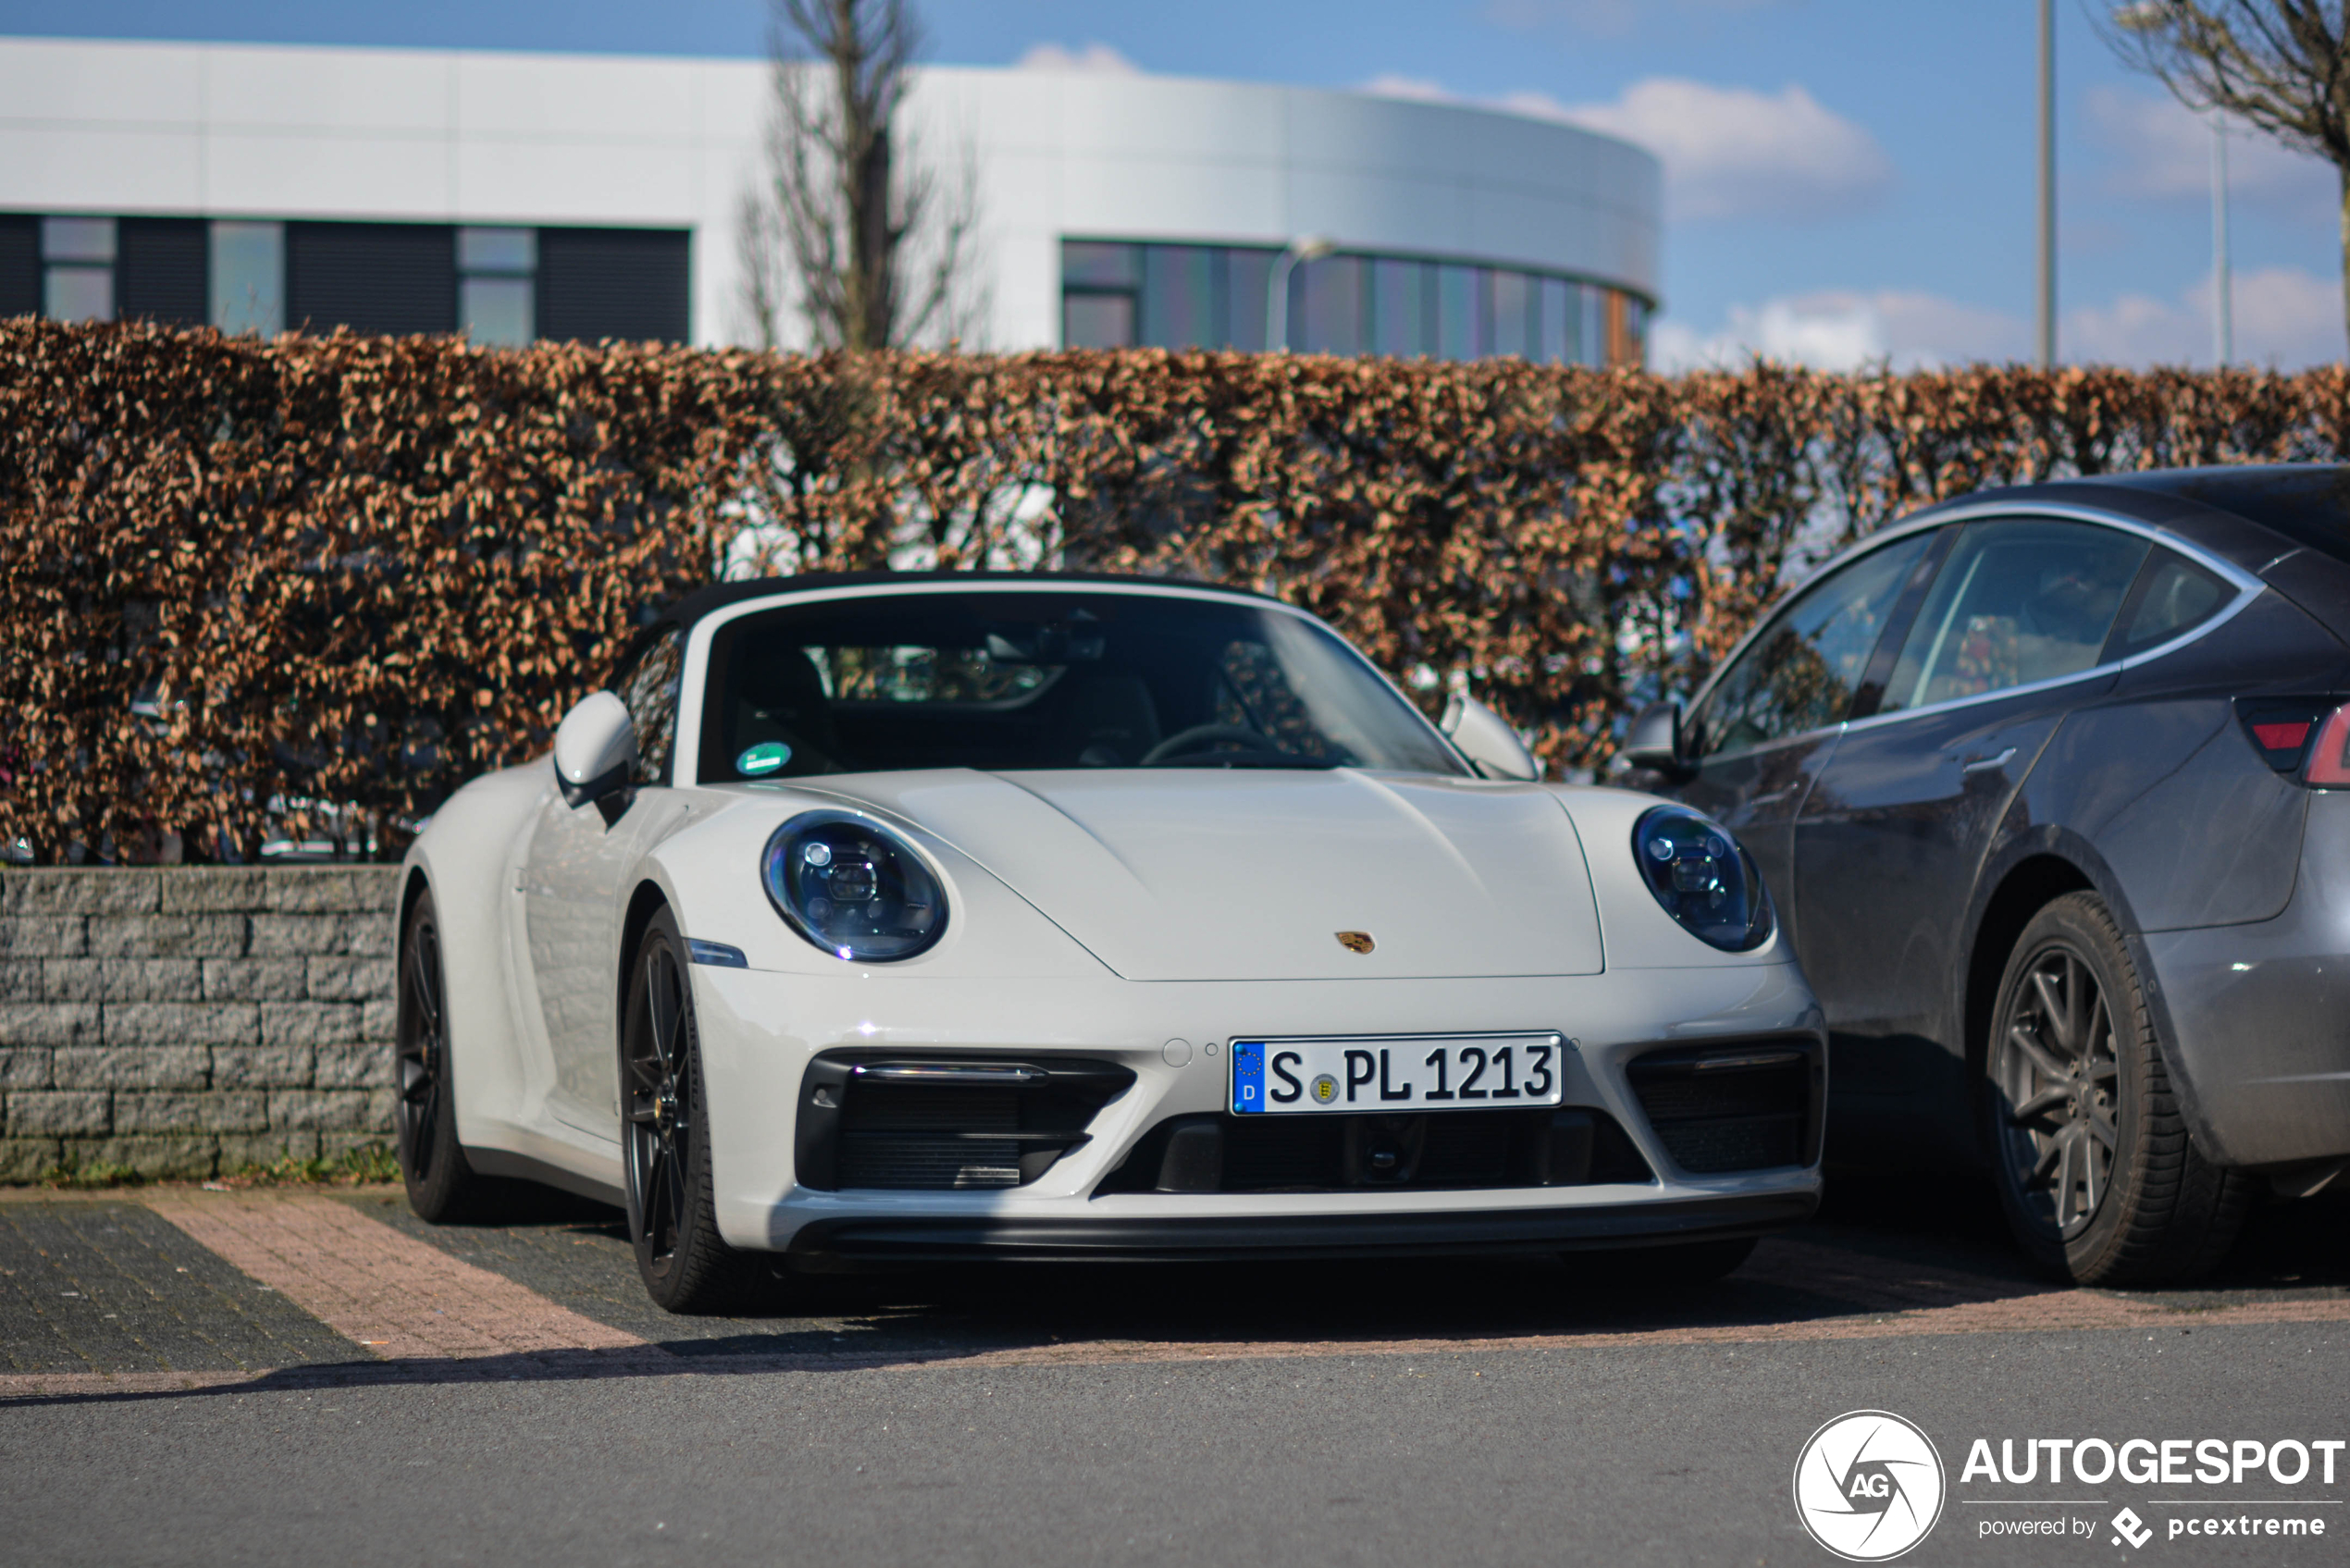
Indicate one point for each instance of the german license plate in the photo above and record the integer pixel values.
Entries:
(1433, 1072)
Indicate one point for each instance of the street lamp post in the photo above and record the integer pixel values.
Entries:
(2048, 184)
(1314, 247)
(2224, 325)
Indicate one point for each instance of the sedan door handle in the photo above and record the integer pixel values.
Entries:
(1985, 764)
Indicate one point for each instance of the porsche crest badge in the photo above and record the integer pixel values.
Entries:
(1356, 941)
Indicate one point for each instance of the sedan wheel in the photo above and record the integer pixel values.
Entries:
(2100, 1181)
(686, 1267)
(441, 1185)
(2060, 1086)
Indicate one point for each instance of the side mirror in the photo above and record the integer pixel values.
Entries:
(1487, 740)
(595, 750)
(1654, 741)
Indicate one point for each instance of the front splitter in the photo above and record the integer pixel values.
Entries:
(1141, 1239)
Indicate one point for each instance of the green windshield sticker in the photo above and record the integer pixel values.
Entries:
(764, 757)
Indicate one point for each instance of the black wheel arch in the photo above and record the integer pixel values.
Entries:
(413, 887)
(648, 900)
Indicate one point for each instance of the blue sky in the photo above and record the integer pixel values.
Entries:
(1846, 178)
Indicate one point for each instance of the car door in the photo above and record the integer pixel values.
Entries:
(572, 894)
(1889, 841)
(1759, 733)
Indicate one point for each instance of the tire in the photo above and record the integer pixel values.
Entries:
(442, 1187)
(1679, 1267)
(664, 1142)
(2099, 1179)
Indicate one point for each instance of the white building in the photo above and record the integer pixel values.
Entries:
(567, 195)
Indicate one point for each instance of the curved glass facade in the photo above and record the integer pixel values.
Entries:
(1123, 293)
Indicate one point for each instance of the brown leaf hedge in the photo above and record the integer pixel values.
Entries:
(239, 574)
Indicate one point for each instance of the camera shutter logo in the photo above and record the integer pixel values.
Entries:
(1868, 1486)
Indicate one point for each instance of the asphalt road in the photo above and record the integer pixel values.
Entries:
(1398, 1415)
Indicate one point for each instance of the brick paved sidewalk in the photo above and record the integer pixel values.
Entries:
(173, 1288)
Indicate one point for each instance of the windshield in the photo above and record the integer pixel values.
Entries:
(1016, 680)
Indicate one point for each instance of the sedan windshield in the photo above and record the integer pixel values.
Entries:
(1016, 680)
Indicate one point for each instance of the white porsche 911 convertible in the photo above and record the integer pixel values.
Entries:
(919, 917)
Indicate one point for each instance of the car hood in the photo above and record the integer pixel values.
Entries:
(1252, 874)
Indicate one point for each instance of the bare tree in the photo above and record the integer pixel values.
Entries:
(849, 227)
(2281, 66)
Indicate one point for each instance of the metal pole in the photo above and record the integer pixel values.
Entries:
(1314, 247)
(2048, 183)
(2223, 326)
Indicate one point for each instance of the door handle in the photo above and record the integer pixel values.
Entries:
(1985, 764)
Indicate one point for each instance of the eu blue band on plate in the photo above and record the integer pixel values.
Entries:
(1248, 1078)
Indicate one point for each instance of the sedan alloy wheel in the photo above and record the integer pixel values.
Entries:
(2059, 1088)
(2101, 1182)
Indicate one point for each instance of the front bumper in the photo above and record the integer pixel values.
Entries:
(2259, 1013)
(759, 1031)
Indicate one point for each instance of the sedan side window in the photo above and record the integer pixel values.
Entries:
(2173, 596)
(1801, 673)
(650, 689)
(2018, 602)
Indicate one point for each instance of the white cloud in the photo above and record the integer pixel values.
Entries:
(2163, 150)
(1097, 57)
(1732, 152)
(1416, 88)
(2284, 317)
(1843, 329)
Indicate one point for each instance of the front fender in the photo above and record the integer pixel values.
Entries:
(467, 857)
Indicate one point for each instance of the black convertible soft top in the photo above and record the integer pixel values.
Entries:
(683, 613)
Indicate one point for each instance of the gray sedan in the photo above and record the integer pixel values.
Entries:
(2052, 787)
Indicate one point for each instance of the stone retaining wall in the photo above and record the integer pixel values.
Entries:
(186, 1022)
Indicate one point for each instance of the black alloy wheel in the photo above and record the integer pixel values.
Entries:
(441, 1185)
(2100, 1181)
(666, 1147)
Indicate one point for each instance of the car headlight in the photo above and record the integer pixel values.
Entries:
(1703, 877)
(852, 887)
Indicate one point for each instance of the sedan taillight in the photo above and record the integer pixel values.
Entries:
(2306, 737)
(2329, 753)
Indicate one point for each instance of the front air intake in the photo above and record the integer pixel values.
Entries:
(1341, 1151)
(925, 1124)
(1732, 1107)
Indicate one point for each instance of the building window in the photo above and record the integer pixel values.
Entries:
(1117, 293)
(1101, 295)
(497, 287)
(632, 284)
(387, 279)
(77, 268)
(248, 283)
(159, 271)
(1097, 321)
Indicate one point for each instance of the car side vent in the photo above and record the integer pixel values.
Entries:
(928, 1124)
(1215, 1153)
(1732, 1107)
